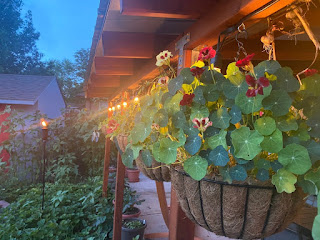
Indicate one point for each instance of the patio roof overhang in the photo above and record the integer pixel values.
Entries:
(130, 33)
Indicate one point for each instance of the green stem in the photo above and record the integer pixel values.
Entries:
(214, 81)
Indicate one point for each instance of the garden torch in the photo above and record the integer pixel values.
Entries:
(44, 140)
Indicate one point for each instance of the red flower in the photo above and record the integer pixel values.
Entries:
(187, 99)
(310, 72)
(206, 53)
(197, 71)
(245, 62)
(256, 86)
(112, 126)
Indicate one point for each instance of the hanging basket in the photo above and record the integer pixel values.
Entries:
(122, 141)
(158, 171)
(238, 210)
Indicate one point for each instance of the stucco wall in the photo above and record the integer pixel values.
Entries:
(51, 101)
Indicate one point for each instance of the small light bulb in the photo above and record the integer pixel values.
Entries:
(110, 109)
(118, 106)
(113, 108)
(124, 104)
(136, 99)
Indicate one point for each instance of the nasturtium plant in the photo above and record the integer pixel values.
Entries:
(252, 123)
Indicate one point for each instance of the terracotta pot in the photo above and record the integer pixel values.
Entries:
(129, 234)
(243, 210)
(122, 142)
(128, 215)
(131, 215)
(133, 175)
(160, 174)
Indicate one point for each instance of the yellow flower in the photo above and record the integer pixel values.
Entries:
(271, 77)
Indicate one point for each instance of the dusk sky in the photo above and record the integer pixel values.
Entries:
(65, 26)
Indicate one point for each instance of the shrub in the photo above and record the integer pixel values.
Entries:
(71, 211)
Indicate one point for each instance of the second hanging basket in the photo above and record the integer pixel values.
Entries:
(239, 210)
(158, 171)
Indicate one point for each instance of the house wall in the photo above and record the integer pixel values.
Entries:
(50, 101)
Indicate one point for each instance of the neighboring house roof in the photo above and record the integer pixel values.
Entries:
(22, 89)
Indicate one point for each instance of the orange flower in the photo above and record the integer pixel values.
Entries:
(112, 126)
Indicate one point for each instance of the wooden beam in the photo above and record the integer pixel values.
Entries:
(102, 90)
(128, 45)
(226, 13)
(180, 9)
(285, 50)
(113, 66)
(106, 167)
(105, 81)
(118, 206)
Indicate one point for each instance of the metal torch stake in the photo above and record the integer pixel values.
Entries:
(44, 141)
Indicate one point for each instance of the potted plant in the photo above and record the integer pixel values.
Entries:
(130, 201)
(133, 174)
(133, 229)
(241, 146)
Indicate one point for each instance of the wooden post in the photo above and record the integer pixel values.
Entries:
(181, 227)
(163, 202)
(117, 217)
(106, 167)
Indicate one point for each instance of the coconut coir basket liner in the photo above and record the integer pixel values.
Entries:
(238, 210)
(155, 172)
(122, 141)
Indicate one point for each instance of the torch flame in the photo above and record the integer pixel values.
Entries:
(44, 123)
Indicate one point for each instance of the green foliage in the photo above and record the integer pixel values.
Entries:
(196, 167)
(71, 211)
(284, 181)
(132, 224)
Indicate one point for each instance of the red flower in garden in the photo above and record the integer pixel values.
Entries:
(206, 53)
(112, 126)
(187, 99)
(310, 72)
(197, 71)
(245, 61)
(256, 86)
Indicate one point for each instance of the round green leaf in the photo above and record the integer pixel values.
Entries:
(286, 123)
(225, 173)
(286, 81)
(308, 187)
(161, 118)
(127, 158)
(193, 144)
(246, 143)
(313, 176)
(238, 173)
(284, 181)
(273, 143)
(295, 158)
(248, 104)
(263, 164)
(196, 167)
(313, 150)
(310, 85)
(199, 111)
(168, 151)
(140, 132)
(147, 157)
(218, 139)
(315, 127)
(219, 156)
(173, 105)
(175, 84)
(179, 119)
(234, 75)
(265, 125)
(278, 102)
(145, 102)
(190, 130)
(211, 131)
(211, 93)
(315, 226)
(276, 165)
(198, 95)
(235, 114)
(262, 175)
(136, 149)
(207, 76)
(187, 76)
(231, 90)
(165, 96)
(220, 118)
(269, 66)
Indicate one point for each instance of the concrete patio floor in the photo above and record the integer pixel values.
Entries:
(150, 211)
